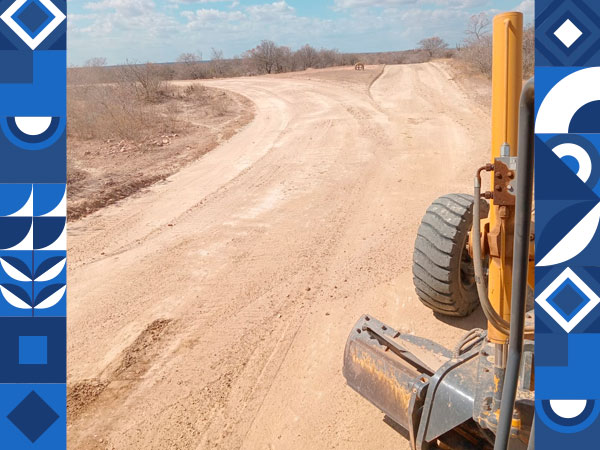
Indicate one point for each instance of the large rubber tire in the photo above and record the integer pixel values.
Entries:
(443, 271)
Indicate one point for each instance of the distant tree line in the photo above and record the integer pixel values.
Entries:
(269, 58)
(266, 58)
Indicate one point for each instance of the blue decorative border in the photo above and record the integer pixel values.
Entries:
(33, 217)
(567, 223)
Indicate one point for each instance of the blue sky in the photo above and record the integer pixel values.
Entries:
(160, 30)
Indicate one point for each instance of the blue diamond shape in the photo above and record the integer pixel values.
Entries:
(559, 44)
(33, 416)
(550, 51)
(33, 17)
(568, 300)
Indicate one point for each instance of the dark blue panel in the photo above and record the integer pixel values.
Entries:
(550, 50)
(54, 371)
(551, 349)
(17, 66)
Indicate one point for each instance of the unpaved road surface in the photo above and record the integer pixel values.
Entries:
(211, 311)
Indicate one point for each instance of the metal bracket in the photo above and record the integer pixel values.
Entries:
(450, 398)
(505, 181)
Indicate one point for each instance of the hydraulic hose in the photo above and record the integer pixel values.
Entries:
(490, 313)
(523, 206)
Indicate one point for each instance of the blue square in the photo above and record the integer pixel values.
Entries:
(33, 16)
(33, 350)
(568, 300)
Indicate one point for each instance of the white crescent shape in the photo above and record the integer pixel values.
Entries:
(13, 272)
(566, 98)
(33, 126)
(61, 208)
(27, 209)
(53, 272)
(583, 159)
(575, 240)
(13, 299)
(53, 299)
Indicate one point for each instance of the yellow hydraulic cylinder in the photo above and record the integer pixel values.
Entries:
(507, 82)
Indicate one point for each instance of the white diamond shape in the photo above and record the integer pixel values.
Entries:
(33, 43)
(568, 33)
(542, 300)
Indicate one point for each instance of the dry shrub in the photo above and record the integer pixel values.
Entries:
(219, 105)
(115, 111)
(477, 52)
(104, 111)
(215, 99)
(125, 102)
(528, 51)
(148, 80)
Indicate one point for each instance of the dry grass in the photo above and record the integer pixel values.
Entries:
(123, 138)
(113, 111)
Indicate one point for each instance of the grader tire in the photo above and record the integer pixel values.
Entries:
(443, 272)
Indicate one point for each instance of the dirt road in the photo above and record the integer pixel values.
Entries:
(212, 310)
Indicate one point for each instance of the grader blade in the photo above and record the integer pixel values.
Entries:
(380, 366)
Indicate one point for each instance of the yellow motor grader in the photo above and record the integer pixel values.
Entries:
(470, 251)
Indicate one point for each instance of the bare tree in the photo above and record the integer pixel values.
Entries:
(98, 61)
(284, 60)
(190, 66)
(433, 45)
(148, 80)
(265, 56)
(307, 57)
(479, 26)
(217, 62)
(189, 58)
(329, 58)
(478, 53)
(528, 51)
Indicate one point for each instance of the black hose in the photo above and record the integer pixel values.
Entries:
(490, 313)
(523, 206)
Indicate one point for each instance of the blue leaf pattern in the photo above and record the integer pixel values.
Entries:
(47, 265)
(47, 292)
(19, 292)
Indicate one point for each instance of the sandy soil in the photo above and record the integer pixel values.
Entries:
(212, 311)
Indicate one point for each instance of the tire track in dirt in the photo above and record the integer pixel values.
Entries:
(261, 256)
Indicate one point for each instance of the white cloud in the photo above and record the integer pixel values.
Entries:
(128, 7)
(401, 3)
(160, 30)
(527, 7)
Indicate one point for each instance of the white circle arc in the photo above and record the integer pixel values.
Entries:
(583, 159)
(566, 98)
